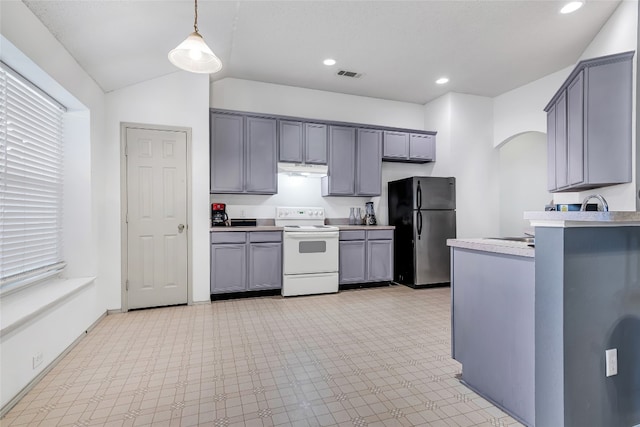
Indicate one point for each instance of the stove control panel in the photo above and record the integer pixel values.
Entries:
(300, 213)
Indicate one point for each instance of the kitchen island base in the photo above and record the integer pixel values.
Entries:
(493, 332)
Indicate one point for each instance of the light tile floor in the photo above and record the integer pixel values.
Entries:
(369, 357)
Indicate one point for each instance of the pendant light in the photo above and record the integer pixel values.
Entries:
(193, 54)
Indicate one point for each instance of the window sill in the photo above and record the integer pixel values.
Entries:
(20, 307)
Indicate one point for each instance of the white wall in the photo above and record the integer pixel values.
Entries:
(40, 58)
(180, 99)
(520, 110)
(245, 95)
(465, 150)
(523, 181)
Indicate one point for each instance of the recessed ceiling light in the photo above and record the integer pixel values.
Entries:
(571, 7)
(442, 80)
(329, 61)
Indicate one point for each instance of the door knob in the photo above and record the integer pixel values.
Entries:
(180, 228)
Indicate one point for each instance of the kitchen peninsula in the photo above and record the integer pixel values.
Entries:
(549, 318)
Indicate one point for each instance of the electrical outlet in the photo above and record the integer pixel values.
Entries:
(611, 358)
(37, 359)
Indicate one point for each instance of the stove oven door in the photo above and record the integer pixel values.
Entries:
(310, 252)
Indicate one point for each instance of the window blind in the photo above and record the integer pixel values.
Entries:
(31, 180)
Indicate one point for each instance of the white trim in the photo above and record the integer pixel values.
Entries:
(18, 397)
(21, 307)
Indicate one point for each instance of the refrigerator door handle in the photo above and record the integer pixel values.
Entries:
(419, 196)
(419, 223)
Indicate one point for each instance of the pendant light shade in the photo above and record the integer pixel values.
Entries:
(193, 54)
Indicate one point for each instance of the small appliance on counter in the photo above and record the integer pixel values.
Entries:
(369, 216)
(219, 217)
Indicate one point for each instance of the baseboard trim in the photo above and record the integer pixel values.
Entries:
(13, 402)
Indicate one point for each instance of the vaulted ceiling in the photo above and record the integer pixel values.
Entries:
(400, 47)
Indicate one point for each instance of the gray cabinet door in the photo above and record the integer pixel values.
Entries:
(422, 147)
(395, 145)
(261, 156)
(609, 100)
(290, 141)
(227, 153)
(551, 149)
(315, 143)
(265, 266)
(379, 260)
(342, 161)
(228, 268)
(561, 142)
(575, 130)
(369, 163)
(352, 262)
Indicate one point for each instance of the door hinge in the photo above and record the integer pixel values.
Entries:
(127, 284)
(126, 149)
(126, 217)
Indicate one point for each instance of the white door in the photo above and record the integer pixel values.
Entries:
(157, 217)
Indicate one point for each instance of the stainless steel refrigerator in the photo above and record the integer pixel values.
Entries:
(422, 209)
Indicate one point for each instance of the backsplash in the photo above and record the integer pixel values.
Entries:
(292, 191)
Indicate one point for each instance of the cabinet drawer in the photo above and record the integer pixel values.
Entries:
(379, 234)
(229, 237)
(265, 236)
(352, 235)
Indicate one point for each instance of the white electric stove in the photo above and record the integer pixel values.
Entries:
(310, 252)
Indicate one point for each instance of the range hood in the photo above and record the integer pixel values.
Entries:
(299, 169)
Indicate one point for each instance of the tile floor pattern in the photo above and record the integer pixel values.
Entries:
(369, 357)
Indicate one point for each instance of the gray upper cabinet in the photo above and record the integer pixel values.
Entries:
(369, 163)
(290, 141)
(396, 145)
(315, 143)
(342, 161)
(243, 154)
(422, 147)
(409, 147)
(261, 156)
(589, 125)
(227, 153)
(301, 142)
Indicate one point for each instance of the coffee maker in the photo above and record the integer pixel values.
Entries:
(219, 217)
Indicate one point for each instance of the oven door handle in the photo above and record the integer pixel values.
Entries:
(310, 235)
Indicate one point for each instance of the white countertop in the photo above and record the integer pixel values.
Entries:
(506, 247)
(583, 219)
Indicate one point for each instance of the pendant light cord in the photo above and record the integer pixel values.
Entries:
(195, 21)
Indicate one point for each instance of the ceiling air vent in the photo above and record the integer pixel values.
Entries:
(353, 74)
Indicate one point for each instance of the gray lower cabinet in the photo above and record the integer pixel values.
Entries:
(409, 147)
(243, 154)
(379, 260)
(589, 125)
(366, 256)
(246, 261)
(301, 142)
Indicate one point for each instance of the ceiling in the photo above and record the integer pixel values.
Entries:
(485, 47)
